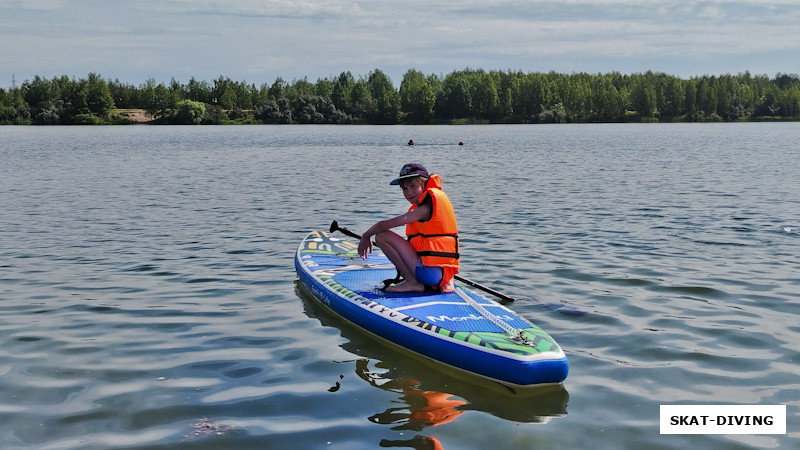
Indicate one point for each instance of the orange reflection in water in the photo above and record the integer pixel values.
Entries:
(424, 409)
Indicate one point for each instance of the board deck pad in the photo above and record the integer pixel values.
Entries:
(332, 270)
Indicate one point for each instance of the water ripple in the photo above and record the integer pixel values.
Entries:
(149, 299)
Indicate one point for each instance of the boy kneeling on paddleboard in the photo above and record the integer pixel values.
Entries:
(429, 257)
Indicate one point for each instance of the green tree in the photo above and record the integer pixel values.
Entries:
(456, 98)
(485, 100)
(644, 99)
(98, 97)
(158, 102)
(416, 97)
(578, 98)
(745, 93)
(38, 91)
(275, 112)
(75, 99)
(124, 95)
(189, 112)
(790, 101)
(560, 90)
(360, 100)
(323, 88)
(277, 89)
(55, 101)
(300, 88)
(247, 95)
(736, 109)
(218, 89)
(304, 110)
(13, 109)
(261, 95)
(529, 95)
(228, 98)
(51, 112)
(386, 100)
(507, 107)
(199, 91)
(706, 96)
(674, 97)
(503, 82)
(606, 104)
(342, 91)
(690, 96)
(768, 102)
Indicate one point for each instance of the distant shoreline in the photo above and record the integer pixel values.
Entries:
(460, 98)
(140, 117)
(133, 116)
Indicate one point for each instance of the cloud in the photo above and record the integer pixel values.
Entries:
(40, 5)
(264, 39)
(262, 8)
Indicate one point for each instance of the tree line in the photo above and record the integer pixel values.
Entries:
(464, 96)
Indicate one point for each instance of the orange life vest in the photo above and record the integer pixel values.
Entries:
(436, 240)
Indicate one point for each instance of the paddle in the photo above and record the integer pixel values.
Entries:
(561, 308)
(335, 227)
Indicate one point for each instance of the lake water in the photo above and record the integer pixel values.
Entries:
(149, 298)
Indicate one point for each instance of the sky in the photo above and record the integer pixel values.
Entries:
(257, 41)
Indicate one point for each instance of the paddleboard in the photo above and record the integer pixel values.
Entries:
(461, 329)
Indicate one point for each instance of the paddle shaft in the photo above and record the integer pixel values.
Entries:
(335, 227)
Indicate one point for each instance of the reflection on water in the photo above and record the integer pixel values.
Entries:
(423, 408)
(429, 393)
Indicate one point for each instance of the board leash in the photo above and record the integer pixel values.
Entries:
(515, 334)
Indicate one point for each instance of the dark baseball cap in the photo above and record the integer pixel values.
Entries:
(409, 171)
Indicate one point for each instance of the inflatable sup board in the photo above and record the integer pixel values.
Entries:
(461, 329)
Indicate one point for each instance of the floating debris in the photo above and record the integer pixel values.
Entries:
(208, 427)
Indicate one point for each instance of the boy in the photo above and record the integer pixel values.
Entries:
(429, 258)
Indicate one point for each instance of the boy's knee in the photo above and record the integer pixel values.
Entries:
(382, 237)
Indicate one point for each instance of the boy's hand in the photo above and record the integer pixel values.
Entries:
(364, 247)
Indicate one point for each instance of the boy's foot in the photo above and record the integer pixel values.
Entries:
(449, 287)
(406, 286)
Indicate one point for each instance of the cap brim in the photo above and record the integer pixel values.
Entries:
(396, 181)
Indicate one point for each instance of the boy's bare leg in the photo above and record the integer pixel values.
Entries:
(403, 255)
